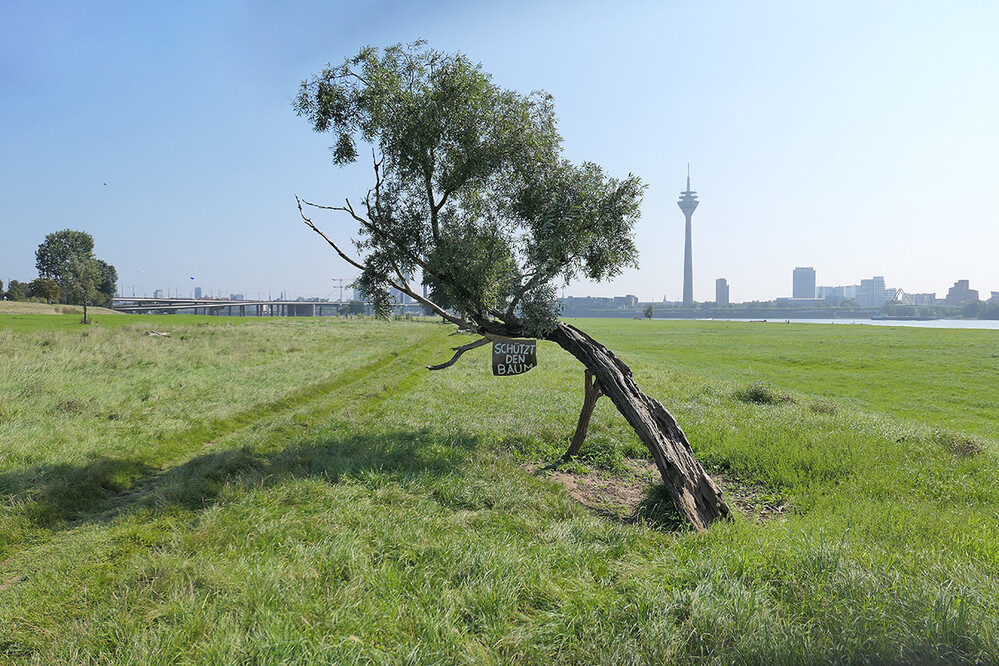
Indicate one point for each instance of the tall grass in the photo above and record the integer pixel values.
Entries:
(296, 491)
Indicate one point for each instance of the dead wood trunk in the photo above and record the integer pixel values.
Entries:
(691, 489)
(591, 393)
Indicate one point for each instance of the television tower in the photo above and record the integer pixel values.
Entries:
(687, 203)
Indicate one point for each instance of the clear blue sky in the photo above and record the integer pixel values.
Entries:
(856, 137)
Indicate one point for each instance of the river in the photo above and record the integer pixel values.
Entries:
(987, 324)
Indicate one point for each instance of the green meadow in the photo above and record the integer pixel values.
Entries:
(273, 491)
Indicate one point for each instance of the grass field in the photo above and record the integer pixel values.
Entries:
(304, 491)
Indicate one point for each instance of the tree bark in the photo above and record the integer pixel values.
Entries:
(591, 393)
(691, 489)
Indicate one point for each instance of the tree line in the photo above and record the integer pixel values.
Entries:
(68, 272)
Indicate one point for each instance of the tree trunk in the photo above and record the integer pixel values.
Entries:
(85, 312)
(591, 394)
(691, 489)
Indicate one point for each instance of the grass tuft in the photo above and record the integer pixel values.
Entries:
(957, 443)
(762, 393)
(823, 407)
(658, 511)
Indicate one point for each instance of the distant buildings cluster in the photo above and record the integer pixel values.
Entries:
(870, 293)
(573, 306)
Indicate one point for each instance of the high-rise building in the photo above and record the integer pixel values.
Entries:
(837, 294)
(197, 292)
(872, 293)
(960, 292)
(803, 282)
(721, 291)
(687, 203)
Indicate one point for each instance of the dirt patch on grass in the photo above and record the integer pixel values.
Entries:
(10, 582)
(614, 493)
(627, 495)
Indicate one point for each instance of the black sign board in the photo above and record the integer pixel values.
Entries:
(514, 357)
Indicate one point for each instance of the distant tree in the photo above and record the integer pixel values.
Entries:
(46, 288)
(17, 291)
(648, 312)
(970, 309)
(471, 190)
(109, 281)
(355, 308)
(81, 283)
(1, 287)
(989, 311)
(54, 253)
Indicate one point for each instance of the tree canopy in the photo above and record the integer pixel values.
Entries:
(17, 291)
(81, 282)
(470, 189)
(55, 255)
(46, 288)
(108, 284)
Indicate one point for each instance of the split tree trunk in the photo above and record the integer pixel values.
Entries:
(591, 393)
(691, 489)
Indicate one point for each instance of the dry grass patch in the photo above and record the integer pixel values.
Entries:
(627, 495)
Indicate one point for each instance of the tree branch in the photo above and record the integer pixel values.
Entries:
(527, 286)
(403, 287)
(428, 183)
(458, 351)
(440, 312)
(312, 225)
(375, 231)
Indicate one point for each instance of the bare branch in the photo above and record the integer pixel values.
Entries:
(376, 164)
(458, 351)
(312, 225)
(403, 287)
(375, 231)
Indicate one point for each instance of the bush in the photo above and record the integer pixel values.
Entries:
(762, 393)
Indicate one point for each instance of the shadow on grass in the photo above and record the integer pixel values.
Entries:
(658, 511)
(62, 495)
(617, 496)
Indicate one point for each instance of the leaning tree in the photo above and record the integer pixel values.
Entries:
(470, 192)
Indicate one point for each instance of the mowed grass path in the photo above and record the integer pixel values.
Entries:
(303, 491)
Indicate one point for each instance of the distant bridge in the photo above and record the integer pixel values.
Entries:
(142, 305)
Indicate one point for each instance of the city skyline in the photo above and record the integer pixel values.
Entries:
(859, 147)
(721, 286)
